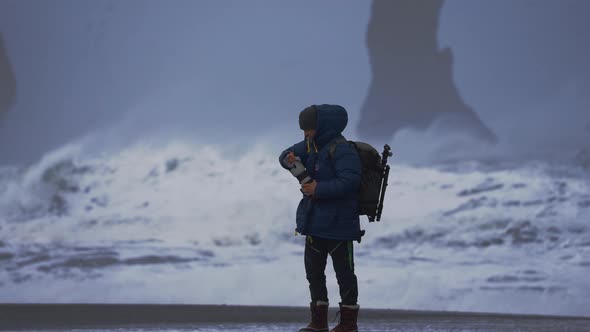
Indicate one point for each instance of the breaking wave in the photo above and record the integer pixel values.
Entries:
(182, 205)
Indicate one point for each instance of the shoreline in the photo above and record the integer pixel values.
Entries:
(71, 315)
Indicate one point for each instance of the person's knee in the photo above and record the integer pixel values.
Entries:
(345, 277)
(315, 276)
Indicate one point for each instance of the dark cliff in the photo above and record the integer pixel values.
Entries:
(412, 82)
(7, 81)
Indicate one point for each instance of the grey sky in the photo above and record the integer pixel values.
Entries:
(523, 66)
(237, 68)
(233, 66)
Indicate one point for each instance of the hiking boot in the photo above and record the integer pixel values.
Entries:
(319, 317)
(348, 317)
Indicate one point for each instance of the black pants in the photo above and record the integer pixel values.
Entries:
(316, 255)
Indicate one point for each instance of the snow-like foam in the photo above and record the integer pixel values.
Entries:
(449, 240)
(178, 193)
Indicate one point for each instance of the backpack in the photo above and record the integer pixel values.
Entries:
(375, 173)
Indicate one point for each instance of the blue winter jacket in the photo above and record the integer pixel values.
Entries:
(333, 211)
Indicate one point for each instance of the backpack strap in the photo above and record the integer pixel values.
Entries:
(332, 150)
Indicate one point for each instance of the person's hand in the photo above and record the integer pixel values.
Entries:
(291, 157)
(309, 188)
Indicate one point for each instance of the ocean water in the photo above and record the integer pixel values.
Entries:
(188, 223)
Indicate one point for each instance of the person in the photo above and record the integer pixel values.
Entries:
(328, 212)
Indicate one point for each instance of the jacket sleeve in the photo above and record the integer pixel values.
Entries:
(299, 150)
(347, 165)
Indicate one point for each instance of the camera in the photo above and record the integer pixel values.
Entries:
(299, 172)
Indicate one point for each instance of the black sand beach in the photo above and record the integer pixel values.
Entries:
(162, 317)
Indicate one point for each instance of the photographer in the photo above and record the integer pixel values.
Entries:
(328, 212)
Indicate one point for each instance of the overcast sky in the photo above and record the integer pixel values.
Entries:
(240, 68)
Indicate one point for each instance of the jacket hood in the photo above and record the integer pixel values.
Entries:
(331, 121)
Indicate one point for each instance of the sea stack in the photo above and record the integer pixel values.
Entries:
(412, 79)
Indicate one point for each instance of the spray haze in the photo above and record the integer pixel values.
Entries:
(145, 67)
(175, 66)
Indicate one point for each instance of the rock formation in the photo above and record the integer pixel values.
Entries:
(7, 81)
(412, 82)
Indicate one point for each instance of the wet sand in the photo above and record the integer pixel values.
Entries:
(162, 317)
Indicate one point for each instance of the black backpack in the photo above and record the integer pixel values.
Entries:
(375, 173)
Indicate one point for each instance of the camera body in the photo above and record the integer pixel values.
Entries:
(299, 172)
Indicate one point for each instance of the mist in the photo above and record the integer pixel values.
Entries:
(213, 69)
(522, 66)
(222, 72)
